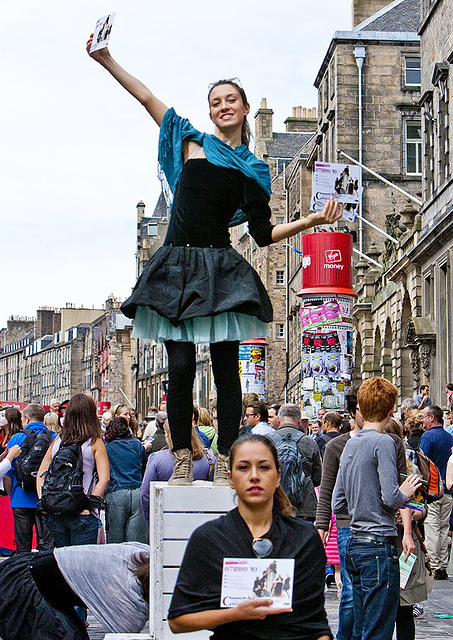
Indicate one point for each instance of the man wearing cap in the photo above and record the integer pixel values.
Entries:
(304, 422)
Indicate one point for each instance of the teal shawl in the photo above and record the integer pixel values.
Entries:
(174, 130)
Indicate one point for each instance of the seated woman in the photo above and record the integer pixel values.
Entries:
(161, 464)
(38, 591)
(260, 526)
(127, 460)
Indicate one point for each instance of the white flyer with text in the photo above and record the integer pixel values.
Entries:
(250, 578)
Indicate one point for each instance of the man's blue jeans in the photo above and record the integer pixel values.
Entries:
(68, 531)
(374, 571)
(346, 610)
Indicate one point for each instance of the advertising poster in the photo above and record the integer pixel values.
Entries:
(252, 369)
(326, 352)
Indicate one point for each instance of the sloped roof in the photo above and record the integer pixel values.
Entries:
(287, 144)
(160, 210)
(398, 16)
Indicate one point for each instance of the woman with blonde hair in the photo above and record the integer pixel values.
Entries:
(161, 464)
(205, 426)
(125, 411)
(51, 422)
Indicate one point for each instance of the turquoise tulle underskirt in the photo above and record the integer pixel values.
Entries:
(148, 324)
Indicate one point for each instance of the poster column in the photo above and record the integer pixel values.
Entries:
(326, 318)
(252, 367)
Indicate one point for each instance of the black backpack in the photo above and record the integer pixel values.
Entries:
(294, 482)
(33, 450)
(62, 491)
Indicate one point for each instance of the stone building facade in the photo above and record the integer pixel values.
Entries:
(38, 368)
(432, 257)
(387, 312)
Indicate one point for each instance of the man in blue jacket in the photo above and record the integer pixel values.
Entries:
(23, 503)
(436, 443)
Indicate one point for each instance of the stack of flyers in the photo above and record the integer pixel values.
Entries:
(250, 578)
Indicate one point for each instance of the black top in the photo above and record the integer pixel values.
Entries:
(206, 199)
(199, 580)
(49, 580)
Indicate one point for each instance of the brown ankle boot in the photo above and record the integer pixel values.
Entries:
(183, 472)
(221, 470)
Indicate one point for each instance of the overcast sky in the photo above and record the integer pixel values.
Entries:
(78, 153)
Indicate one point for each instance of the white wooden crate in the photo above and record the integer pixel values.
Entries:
(174, 514)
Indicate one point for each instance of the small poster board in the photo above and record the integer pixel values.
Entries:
(102, 32)
(251, 578)
(340, 181)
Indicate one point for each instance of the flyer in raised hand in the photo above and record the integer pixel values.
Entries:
(250, 578)
(102, 32)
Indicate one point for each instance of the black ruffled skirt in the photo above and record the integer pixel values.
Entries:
(181, 285)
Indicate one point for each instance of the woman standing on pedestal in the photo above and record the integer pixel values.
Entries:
(196, 288)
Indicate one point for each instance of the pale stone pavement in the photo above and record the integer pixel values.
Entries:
(427, 627)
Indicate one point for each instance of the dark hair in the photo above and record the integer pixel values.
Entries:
(246, 133)
(281, 500)
(259, 407)
(424, 386)
(34, 412)
(351, 402)
(434, 410)
(80, 420)
(196, 414)
(117, 428)
(334, 419)
(275, 407)
(13, 417)
(394, 426)
(140, 569)
(449, 386)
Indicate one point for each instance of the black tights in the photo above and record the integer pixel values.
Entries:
(181, 376)
(405, 625)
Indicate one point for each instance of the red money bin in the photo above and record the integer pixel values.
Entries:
(327, 263)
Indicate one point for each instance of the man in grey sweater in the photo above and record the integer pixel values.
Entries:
(367, 488)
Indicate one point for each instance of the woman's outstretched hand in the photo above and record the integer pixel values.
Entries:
(258, 609)
(100, 54)
(331, 212)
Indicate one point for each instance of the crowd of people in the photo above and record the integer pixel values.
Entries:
(348, 476)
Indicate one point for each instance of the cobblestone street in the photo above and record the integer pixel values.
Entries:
(427, 626)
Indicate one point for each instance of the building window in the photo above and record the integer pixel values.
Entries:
(326, 91)
(412, 72)
(443, 131)
(279, 330)
(428, 148)
(279, 220)
(413, 146)
(279, 277)
(282, 163)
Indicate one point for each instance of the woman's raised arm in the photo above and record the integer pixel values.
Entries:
(155, 107)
